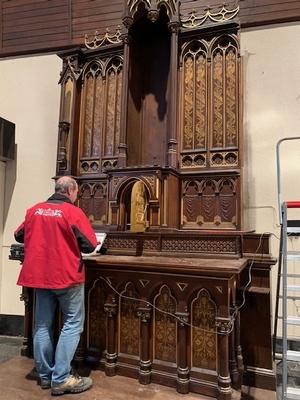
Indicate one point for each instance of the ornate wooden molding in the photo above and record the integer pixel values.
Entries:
(223, 15)
(153, 7)
(102, 40)
(73, 65)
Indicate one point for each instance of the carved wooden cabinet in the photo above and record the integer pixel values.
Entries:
(156, 344)
(151, 127)
(157, 103)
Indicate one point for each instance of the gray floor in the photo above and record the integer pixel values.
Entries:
(9, 347)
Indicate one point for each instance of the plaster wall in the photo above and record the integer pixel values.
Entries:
(2, 183)
(271, 112)
(30, 97)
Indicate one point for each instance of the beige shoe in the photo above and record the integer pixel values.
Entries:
(73, 384)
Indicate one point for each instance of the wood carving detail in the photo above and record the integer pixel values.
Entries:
(210, 96)
(100, 114)
(225, 13)
(122, 243)
(218, 101)
(204, 340)
(93, 201)
(129, 322)
(165, 327)
(199, 246)
(96, 321)
(151, 244)
(210, 202)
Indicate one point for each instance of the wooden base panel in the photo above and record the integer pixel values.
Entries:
(260, 378)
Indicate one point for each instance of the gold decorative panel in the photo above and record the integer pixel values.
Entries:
(195, 100)
(100, 115)
(114, 85)
(129, 327)
(203, 336)
(165, 327)
(209, 76)
(210, 203)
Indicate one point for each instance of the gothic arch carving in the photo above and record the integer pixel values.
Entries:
(129, 321)
(152, 7)
(123, 184)
(165, 326)
(96, 334)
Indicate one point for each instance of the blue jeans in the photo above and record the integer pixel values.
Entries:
(53, 363)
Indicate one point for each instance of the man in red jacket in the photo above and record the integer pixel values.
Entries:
(54, 233)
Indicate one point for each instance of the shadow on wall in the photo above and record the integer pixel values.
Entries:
(10, 181)
(249, 219)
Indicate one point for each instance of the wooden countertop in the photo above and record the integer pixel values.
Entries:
(182, 265)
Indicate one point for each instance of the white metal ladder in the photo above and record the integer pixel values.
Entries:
(288, 227)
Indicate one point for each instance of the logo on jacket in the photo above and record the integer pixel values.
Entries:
(48, 212)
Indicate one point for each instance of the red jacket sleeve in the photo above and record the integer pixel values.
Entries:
(84, 233)
(20, 233)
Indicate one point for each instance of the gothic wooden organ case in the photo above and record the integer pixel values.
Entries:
(150, 126)
(150, 120)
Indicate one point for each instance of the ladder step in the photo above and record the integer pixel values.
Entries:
(290, 297)
(293, 393)
(292, 204)
(293, 227)
(294, 231)
(293, 288)
(293, 223)
(293, 256)
(293, 355)
(293, 320)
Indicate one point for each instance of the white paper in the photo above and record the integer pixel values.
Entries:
(100, 239)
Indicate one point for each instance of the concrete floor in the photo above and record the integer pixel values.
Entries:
(18, 382)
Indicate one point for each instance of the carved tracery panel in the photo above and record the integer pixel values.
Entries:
(203, 333)
(165, 327)
(96, 321)
(210, 203)
(129, 322)
(93, 201)
(100, 115)
(210, 73)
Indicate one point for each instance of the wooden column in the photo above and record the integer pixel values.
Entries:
(182, 367)
(238, 348)
(69, 117)
(122, 157)
(172, 124)
(234, 373)
(224, 326)
(145, 362)
(28, 297)
(110, 308)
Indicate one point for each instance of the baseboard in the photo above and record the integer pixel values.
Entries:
(260, 378)
(11, 325)
(292, 344)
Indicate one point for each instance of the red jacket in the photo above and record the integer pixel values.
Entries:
(54, 234)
